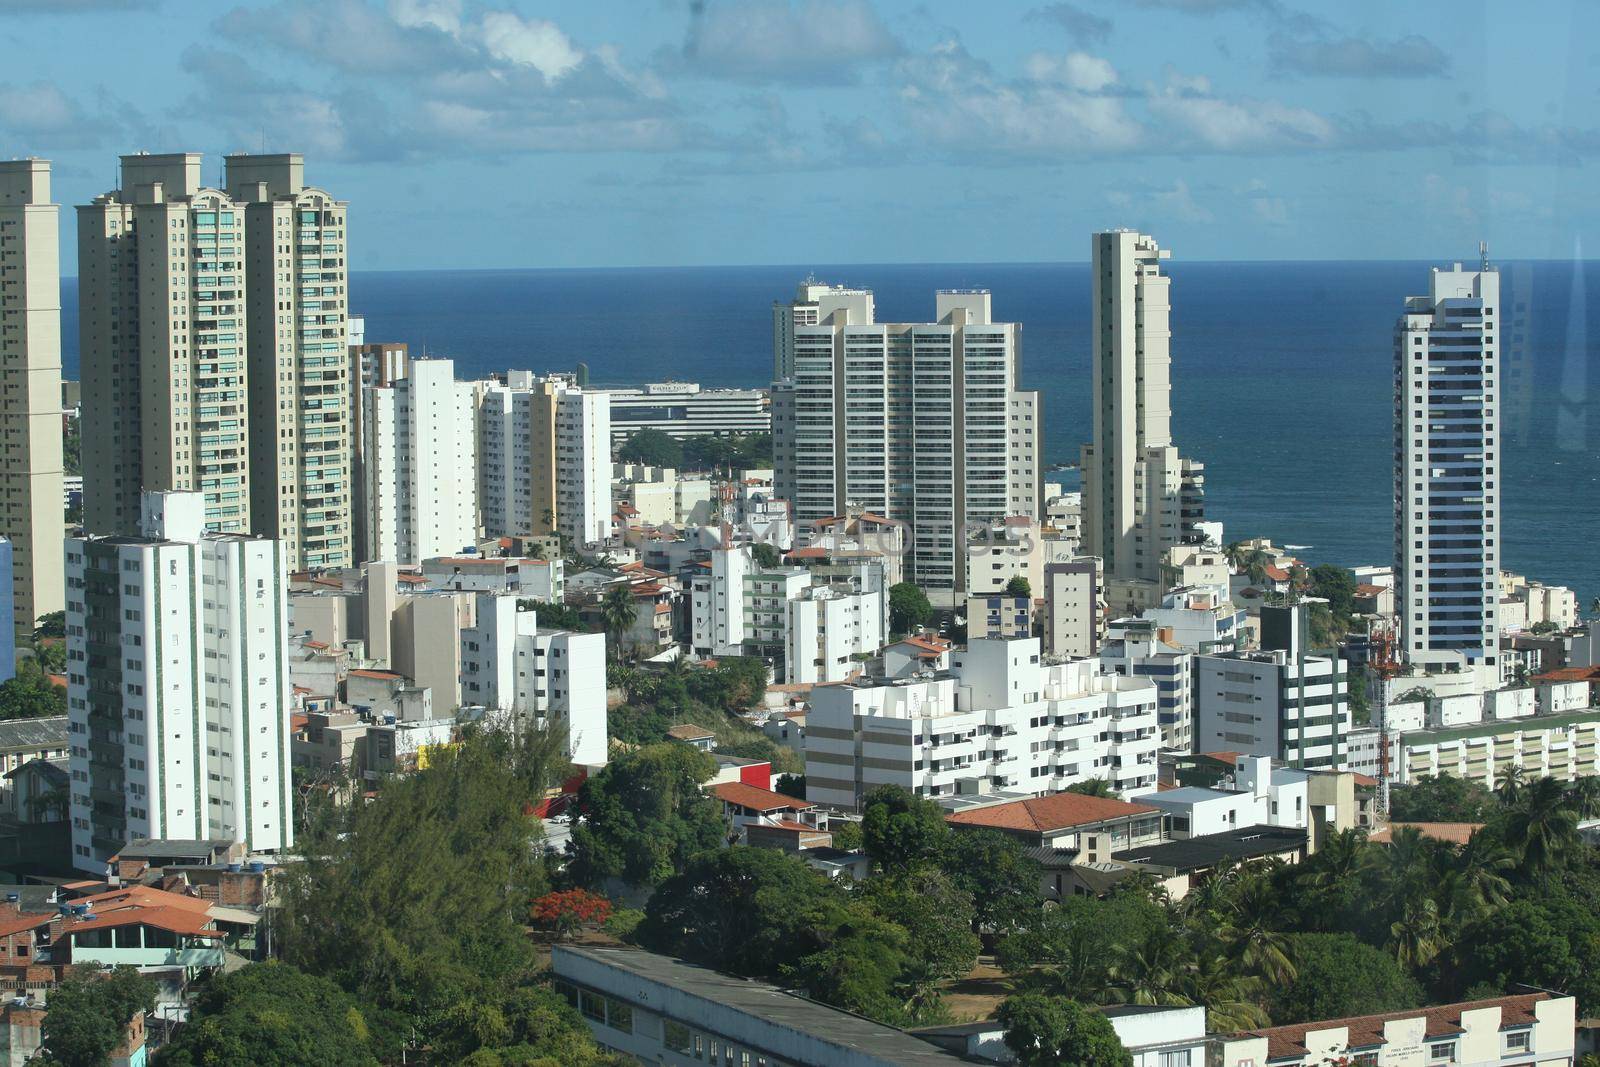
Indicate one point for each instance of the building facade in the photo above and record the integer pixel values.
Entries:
(370, 364)
(177, 686)
(1139, 496)
(911, 422)
(421, 465)
(301, 489)
(31, 500)
(1447, 513)
(684, 409)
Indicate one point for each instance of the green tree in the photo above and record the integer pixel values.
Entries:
(51, 624)
(1445, 798)
(89, 1012)
(1018, 586)
(1337, 976)
(1044, 1031)
(860, 971)
(617, 613)
(651, 447)
(645, 817)
(909, 608)
(556, 616)
(1545, 824)
(1069, 950)
(1156, 968)
(901, 830)
(766, 556)
(1003, 880)
(30, 695)
(938, 917)
(1092, 787)
(1337, 586)
(272, 1015)
(1550, 943)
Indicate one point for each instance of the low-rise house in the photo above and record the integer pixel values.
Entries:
(1180, 865)
(775, 820)
(387, 693)
(38, 791)
(22, 740)
(838, 863)
(694, 736)
(1532, 1028)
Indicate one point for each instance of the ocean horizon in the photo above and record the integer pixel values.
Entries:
(1282, 379)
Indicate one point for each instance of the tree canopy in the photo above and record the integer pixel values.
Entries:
(645, 817)
(89, 1013)
(272, 1015)
(1446, 798)
(909, 607)
(1045, 1031)
(30, 695)
(1337, 976)
(653, 448)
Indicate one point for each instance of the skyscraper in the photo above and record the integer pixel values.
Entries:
(30, 392)
(1446, 442)
(177, 685)
(299, 381)
(1139, 496)
(370, 364)
(162, 325)
(912, 422)
(813, 303)
(421, 465)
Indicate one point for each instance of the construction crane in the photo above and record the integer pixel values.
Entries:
(1386, 665)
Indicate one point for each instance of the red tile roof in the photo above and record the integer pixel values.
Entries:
(809, 552)
(1059, 811)
(1277, 574)
(387, 676)
(1366, 1031)
(16, 924)
(1369, 590)
(1456, 833)
(175, 920)
(757, 799)
(1570, 674)
(1365, 781)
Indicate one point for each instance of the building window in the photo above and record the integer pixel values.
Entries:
(677, 1037)
(1517, 1042)
(1175, 1059)
(1442, 1050)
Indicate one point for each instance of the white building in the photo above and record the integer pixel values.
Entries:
(1139, 496)
(421, 465)
(1258, 794)
(1447, 512)
(177, 686)
(544, 462)
(536, 579)
(1199, 619)
(831, 630)
(1138, 649)
(683, 409)
(1010, 549)
(814, 303)
(555, 677)
(956, 466)
(1074, 607)
(1563, 747)
(999, 719)
(717, 602)
(1281, 701)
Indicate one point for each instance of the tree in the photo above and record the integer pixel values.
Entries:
(273, 1015)
(1550, 943)
(1545, 825)
(1069, 950)
(556, 616)
(1445, 798)
(1154, 969)
(1018, 586)
(766, 556)
(1092, 787)
(89, 1013)
(791, 785)
(651, 447)
(645, 816)
(617, 613)
(1003, 880)
(51, 624)
(1337, 976)
(938, 917)
(567, 911)
(1044, 1031)
(1337, 586)
(30, 695)
(909, 608)
(901, 830)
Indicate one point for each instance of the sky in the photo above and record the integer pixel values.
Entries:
(497, 133)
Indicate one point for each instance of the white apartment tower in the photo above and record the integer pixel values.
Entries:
(177, 686)
(163, 336)
(813, 304)
(300, 386)
(1446, 441)
(911, 422)
(421, 465)
(544, 458)
(30, 389)
(1139, 496)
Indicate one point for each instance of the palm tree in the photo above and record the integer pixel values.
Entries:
(1545, 826)
(1250, 935)
(1155, 969)
(617, 613)
(1477, 880)
(1235, 553)
(1584, 796)
(1509, 787)
(1405, 871)
(1232, 1000)
(1417, 936)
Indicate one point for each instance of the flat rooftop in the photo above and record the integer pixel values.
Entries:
(1197, 853)
(767, 1005)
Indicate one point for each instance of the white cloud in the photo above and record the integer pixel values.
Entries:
(529, 42)
(1076, 70)
(777, 41)
(1236, 124)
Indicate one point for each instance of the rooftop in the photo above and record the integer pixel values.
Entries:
(766, 1006)
(1457, 833)
(49, 732)
(1198, 853)
(757, 799)
(1366, 1031)
(1491, 729)
(1059, 811)
(689, 732)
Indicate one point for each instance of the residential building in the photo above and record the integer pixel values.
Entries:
(1140, 650)
(998, 719)
(1179, 865)
(998, 615)
(1561, 746)
(657, 1009)
(684, 409)
(764, 602)
(425, 642)
(1281, 701)
(814, 303)
(1074, 607)
(922, 436)
(1529, 1028)
(1153, 1035)
(296, 293)
(25, 740)
(177, 685)
(1089, 827)
(764, 819)
(1201, 620)
(552, 677)
(1140, 497)
(31, 500)
(421, 462)
(8, 634)
(1447, 513)
(536, 579)
(544, 458)
(831, 631)
(1003, 552)
(717, 602)
(163, 331)
(370, 364)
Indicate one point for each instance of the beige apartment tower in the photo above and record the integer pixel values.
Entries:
(30, 389)
(301, 491)
(163, 328)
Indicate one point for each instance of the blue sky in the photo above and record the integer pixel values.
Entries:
(493, 133)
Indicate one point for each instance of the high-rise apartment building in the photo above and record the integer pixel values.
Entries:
(814, 303)
(909, 421)
(370, 364)
(163, 336)
(421, 454)
(30, 391)
(1139, 496)
(544, 459)
(177, 685)
(299, 382)
(1446, 443)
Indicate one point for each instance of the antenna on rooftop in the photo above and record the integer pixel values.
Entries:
(1483, 254)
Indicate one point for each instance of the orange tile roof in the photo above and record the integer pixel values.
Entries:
(1456, 833)
(1365, 781)
(175, 920)
(757, 799)
(1369, 590)
(414, 579)
(809, 552)
(298, 721)
(1230, 758)
(143, 896)
(1366, 1031)
(16, 924)
(1570, 674)
(1059, 811)
(928, 644)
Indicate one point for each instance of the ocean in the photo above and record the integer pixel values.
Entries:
(1281, 372)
